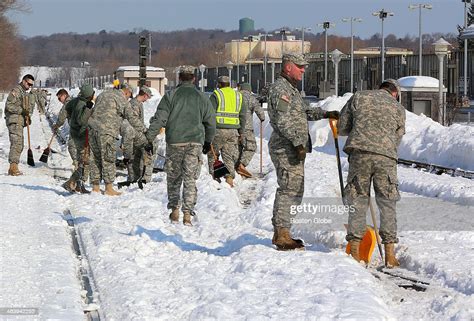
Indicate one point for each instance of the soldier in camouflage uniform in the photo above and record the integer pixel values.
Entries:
(190, 123)
(111, 108)
(40, 99)
(231, 113)
(288, 144)
(133, 155)
(79, 110)
(64, 98)
(248, 144)
(17, 112)
(375, 123)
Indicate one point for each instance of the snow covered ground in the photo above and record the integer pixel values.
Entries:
(225, 267)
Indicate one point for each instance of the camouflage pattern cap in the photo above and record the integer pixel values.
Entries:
(147, 91)
(223, 79)
(245, 86)
(186, 69)
(296, 58)
(395, 83)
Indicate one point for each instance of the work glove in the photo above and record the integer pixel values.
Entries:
(149, 148)
(334, 114)
(206, 147)
(55, 128)
(25, 112)
(300, 152)
(89, 104)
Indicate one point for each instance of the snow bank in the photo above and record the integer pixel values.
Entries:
(427, 141)
(424, 141)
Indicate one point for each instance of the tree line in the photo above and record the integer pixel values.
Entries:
(106, 50)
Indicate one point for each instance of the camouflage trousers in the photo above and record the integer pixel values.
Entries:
(103, 149)
(83, 158)
(135, 152)
(248, 148)
(290, 179)
(225, 143)
(15, 133)
(183, 166)
(71, 147)
(365, 168)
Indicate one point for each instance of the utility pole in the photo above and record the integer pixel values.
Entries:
(142, 51)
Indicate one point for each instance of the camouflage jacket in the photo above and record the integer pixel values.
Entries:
(137, 108)
(62, 115)
(18, 103)
(187, 115)
(110, 109)
(374, 122)
(289, 113)
(253, 106)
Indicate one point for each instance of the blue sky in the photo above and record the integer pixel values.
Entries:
(82, 16)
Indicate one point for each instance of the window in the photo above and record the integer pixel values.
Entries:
(422, 107)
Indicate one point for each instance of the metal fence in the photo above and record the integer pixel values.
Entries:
(367, 73)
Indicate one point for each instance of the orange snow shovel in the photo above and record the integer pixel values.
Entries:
(47, 151)
(219, 167)
(367, 245)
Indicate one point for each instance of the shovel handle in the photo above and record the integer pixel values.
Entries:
(27, 119)
(51, 140)
(333, 125)
(213, 152)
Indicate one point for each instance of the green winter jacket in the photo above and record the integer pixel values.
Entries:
(186, 114)
(78, 115)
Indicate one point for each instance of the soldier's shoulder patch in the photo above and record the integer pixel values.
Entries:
(283, 103)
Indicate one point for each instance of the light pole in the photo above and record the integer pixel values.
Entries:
(465, 50)
(382, 14)
(283, 32)
(326, 25)
(441, 50)
(238, 60)
(250, 39)
(202, 68)
(265, 58)
(302, 29)
(351, 20)
(336, 58)
(427, 7)
(229, 66)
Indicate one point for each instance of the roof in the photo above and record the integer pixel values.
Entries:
(419, 83)
(137, 68)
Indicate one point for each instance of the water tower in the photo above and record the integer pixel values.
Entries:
(246, 26)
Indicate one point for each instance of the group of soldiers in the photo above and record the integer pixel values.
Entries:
(222, 126)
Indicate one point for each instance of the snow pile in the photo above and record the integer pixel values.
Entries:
(427, 141)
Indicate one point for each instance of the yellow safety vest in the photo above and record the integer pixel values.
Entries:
(229, 106)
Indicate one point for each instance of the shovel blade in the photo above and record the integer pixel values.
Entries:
(367, 245)
(220, 170)
(44, 156)
(30, 161)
